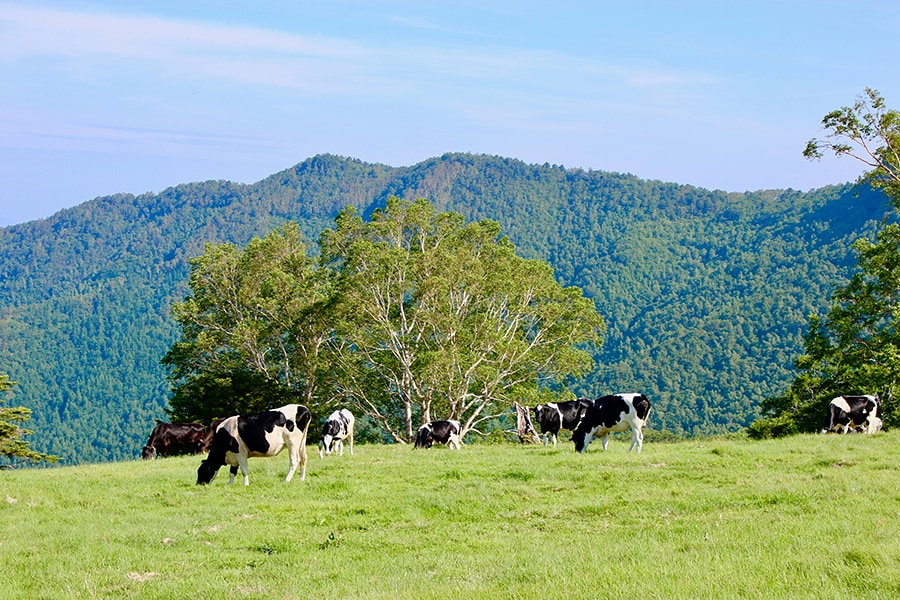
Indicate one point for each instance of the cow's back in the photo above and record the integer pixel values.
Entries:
(267, 433)
(606, 412)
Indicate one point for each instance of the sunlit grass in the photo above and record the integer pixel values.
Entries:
(805, 517)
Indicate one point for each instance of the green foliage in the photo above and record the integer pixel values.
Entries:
(13, 447)
(856, 348)
(706, 295)
(709, 518)
(441, 316)
(253, 328)
(415, 310)
(773, 427)
(869, 132)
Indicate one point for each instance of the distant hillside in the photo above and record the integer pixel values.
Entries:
(706, 293)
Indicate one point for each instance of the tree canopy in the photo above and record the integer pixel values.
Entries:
(442, 319)
(855, 348)
(869, 132)
(410, 316)
(253, 328)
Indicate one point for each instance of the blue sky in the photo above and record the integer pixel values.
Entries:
(99, 97)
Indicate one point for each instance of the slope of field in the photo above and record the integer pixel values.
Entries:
(803, 517)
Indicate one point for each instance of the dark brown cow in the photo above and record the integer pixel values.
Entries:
(208, 438)
(171, 439)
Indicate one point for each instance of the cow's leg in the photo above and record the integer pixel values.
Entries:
(303, 458)
(605, 440)
(350, 437)
(339, 446)
(454, 440)
(554, 439)
(295, 460)
(321, 451)
(234, 471)
(637, 439)
(245, 469)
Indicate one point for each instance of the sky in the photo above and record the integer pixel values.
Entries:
(101, 97)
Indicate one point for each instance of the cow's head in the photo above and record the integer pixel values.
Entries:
(206, 472)
(147, 452)
(423, 437)
(581, 440)
(326, 444)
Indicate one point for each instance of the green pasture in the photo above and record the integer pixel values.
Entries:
(802, 517)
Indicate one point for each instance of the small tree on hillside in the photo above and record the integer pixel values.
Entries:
(12, 444)
(855, 348)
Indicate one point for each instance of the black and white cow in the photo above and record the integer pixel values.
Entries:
(261, 434)
(442, 432)
(613, 413)
(847, 413)
(338, 427)
(553, 416)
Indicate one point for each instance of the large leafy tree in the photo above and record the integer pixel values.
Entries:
(253, 328)
(441, 319)
(12, 443)
(410, 316)
(855, 348)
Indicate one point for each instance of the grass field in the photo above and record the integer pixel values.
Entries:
(803, 517)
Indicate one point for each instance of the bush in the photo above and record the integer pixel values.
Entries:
(774, 427)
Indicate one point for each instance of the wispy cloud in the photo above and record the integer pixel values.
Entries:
(430, 25)
(82, 43)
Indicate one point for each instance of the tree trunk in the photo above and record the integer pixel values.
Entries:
(524, 427)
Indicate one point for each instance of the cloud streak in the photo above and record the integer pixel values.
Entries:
(87, 44)
(91, 42)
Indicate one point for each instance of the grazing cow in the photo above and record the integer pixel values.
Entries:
(442, 432)
(262, 434)
(174, 439)
(337, 428)
(846, 413)
(613, 413)
(553, 416)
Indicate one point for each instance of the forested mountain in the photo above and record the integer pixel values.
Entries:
(706, 294)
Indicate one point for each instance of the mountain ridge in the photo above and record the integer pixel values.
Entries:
(706, 293)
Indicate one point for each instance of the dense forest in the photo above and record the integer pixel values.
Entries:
(706, 294)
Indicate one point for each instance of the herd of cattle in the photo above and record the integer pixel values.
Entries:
(233, 440)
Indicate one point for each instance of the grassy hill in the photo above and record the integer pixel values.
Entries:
(801, 517)
(706, 293)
